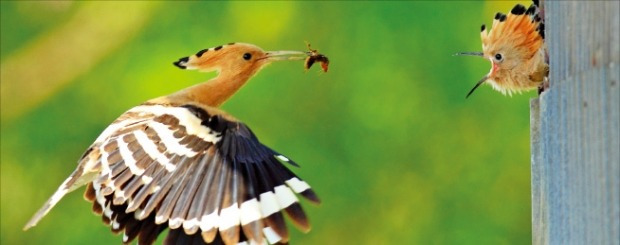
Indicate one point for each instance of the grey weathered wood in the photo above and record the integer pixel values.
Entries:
(575, 127)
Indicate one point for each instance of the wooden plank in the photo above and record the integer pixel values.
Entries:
(575, 131)
(539, 203)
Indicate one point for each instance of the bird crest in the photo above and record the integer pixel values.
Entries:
(515, 46)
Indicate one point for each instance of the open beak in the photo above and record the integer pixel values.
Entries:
(477, 85)
(286, 55)
(493, 69)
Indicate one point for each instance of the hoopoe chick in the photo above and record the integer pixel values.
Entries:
(179, 162)
(516, 48)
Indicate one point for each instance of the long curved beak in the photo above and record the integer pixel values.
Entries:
(286, 55)
(479, 54)
(477, 85)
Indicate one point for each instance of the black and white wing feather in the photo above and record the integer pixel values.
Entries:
(194, 170)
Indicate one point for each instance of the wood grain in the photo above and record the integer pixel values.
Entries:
(575, 127)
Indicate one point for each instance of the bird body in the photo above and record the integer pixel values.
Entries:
(179, 162)
(516, 48)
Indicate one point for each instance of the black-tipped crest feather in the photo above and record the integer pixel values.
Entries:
(518, 9)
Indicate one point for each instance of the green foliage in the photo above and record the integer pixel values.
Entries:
(386, 137)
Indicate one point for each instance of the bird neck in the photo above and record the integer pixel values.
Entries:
(217, 90)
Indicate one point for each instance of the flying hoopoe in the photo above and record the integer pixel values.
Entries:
(515, 46)
(179, 162)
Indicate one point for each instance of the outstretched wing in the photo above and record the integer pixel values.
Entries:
(196, 171)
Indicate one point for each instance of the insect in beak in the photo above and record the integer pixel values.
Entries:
(315, 56)
(310, 56)
(477, 85)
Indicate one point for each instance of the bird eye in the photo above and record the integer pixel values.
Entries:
(498, 57)
(247, 56)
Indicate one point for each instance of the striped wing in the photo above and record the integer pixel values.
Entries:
(197, 172)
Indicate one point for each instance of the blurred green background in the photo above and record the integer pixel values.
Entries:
(386, 137)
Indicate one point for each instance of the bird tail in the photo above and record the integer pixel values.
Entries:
(76, 180)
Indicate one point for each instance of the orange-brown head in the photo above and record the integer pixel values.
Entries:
(515, 47)
(235, 58)
(235, 64)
